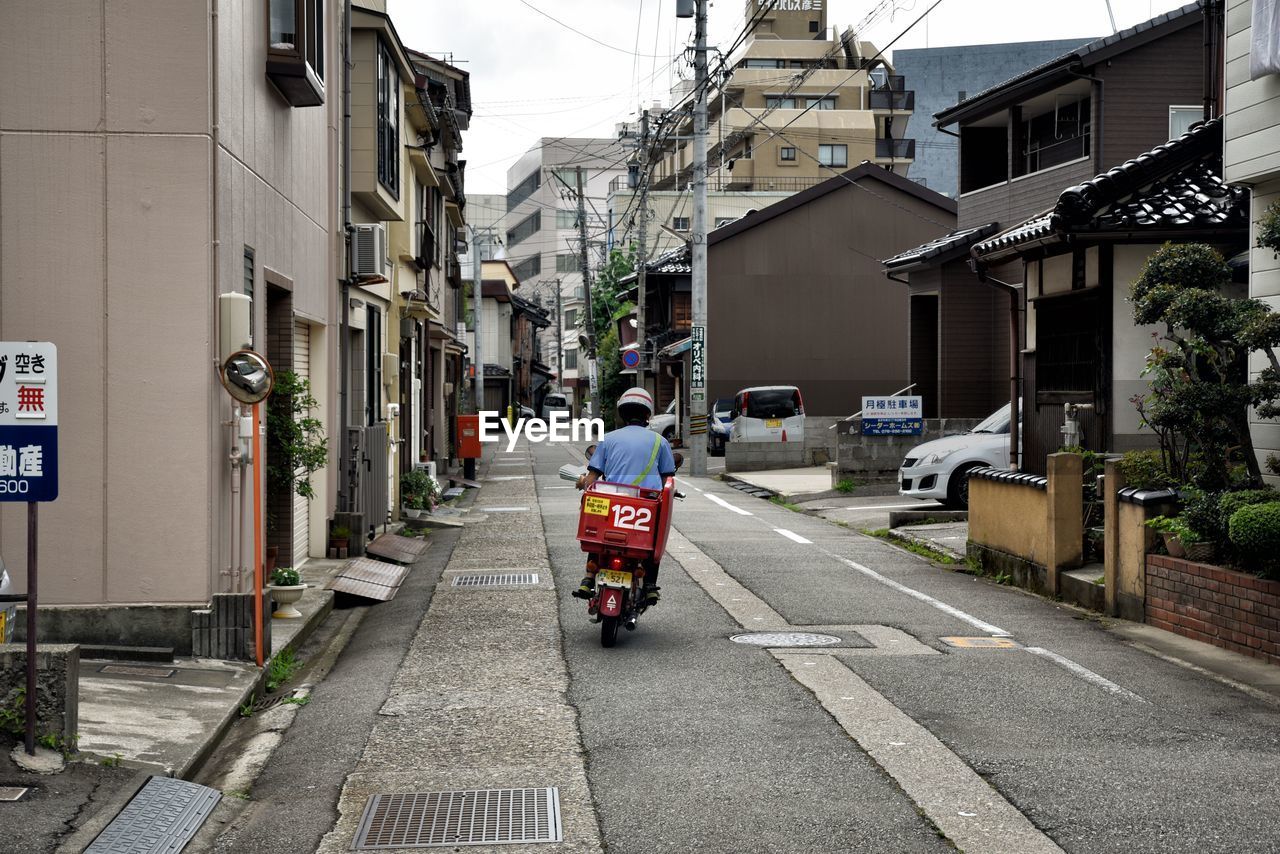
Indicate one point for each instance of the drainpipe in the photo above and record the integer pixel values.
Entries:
(1099, 164)
(344, 335)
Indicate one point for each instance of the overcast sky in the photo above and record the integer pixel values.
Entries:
(533, 78)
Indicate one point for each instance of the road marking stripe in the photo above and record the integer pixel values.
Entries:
(726, 505)
(792, 535)
(1084, 673)
(980, 625)
(965, 807)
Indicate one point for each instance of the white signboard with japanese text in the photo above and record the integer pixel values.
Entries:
(28, 421)
(792, 5)
(893, 416)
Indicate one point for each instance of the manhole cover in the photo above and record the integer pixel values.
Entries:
(785, 639)
(981, 643)
(495, 579)
(12, 793)
(468, 817)
(163, 816)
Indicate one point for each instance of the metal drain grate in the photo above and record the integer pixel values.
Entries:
(162, 817)
(133, 670)
(785, 639)
(468, 817)
(496, 579)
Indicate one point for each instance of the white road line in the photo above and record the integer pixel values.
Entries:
(726, 505)
(919, 505)
(502, 509)
(792, 535)
(510, 477)
(988, 628)
(559, 487)
(1084, 673)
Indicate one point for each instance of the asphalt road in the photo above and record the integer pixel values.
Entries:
(1057, 735)
(697, 743)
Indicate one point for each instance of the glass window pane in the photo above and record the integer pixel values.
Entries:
(1182, 118)
(284, 25)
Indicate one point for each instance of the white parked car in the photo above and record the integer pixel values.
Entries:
(773, 413)
(940, 469)
(665, 422)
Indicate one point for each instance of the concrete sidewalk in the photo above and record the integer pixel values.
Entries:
(949, 538)
(792, 485)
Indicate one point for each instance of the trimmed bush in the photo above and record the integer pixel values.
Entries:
(1255, 533)
(1230, 502)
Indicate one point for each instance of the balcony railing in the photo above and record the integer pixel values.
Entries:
(889, 99)
(896, 149)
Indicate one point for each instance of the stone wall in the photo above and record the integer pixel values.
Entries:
(57, 687)
(112, 625)
(760, 456)
(879, 457)
(1233, 610)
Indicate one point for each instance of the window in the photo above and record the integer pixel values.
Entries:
(570, 360)
(427, 250)
(526, 228)
(680, 223)
(833, 155)
(822, 103)
(248, 285)
(961, 95)
(787, 154)
(388, 121)
(528, 268)
(1067, 344)
(814, 26)
(1056, 136)
(567, 262)
(524, 190)
(295, 50)
(764, 63)
(567, 178)
(777, 102)
(571, 319)
(1182, 118)
(373, 365)
(566, 219)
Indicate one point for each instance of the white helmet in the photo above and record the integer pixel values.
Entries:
(638, 397)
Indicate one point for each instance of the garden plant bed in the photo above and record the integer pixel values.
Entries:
(1230, 609)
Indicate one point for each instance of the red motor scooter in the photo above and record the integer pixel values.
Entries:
(623, 528)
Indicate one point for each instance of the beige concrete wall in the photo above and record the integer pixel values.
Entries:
(107, 240)
(1009, 518)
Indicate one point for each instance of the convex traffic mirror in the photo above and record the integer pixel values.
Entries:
(247, 376)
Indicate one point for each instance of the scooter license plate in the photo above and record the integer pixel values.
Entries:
(614, 576)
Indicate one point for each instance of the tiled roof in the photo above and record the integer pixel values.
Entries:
(955, 243)
(1177, 185)
(1080, 54)
(674, 262)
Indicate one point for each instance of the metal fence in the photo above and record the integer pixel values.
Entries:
(367, 470)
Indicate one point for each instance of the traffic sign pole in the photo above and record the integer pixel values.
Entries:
(32, 530)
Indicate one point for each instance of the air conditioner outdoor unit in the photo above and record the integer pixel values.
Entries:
(369, 250)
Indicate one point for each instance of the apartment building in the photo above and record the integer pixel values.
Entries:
(541, 237)
(796, 107)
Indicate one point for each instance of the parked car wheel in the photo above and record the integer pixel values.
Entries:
(958, 487)
(669, 433)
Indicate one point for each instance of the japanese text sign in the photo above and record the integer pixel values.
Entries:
(698, 357)
(28, 421)
(892, 416)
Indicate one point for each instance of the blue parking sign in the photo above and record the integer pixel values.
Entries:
(28, 421)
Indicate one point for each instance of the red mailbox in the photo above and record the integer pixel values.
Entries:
(469, 437)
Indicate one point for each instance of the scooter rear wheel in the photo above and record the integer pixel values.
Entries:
(608, 631)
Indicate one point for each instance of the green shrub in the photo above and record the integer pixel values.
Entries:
(1177, 526)
(1144, 470)
(1255, 535)
(285, 576)
(1201, 513)
(1233, 501)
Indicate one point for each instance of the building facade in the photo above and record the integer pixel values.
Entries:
(942, 76)
(1252, 150)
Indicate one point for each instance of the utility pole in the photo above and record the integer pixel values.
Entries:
(559, 338)
(698, 351)
(642, 259)
(586, 289)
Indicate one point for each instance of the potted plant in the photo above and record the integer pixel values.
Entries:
(286, 589)
(340, 539)
(417, 492)
(1180, 539)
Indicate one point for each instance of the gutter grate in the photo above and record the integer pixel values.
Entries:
(466, 817)
(496, 579)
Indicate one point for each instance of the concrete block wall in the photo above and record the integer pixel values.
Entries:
(761, 456)
(879, 457)
(57, 686)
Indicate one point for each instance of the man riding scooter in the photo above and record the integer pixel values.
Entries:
(632, 455)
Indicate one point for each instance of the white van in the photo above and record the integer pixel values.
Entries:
(773, 413)
(554, 402)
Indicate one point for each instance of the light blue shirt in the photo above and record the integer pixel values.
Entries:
(623, 455)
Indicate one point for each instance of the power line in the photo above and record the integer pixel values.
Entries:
(586, 36)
